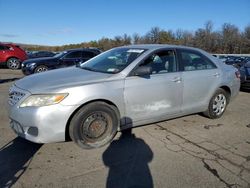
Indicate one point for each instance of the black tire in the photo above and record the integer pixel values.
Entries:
(94, 125)
(218, 104)
(41, 68)
(13, 63)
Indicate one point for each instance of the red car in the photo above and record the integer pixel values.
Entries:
(12, 55)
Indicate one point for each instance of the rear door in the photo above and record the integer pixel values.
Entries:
(200, 79)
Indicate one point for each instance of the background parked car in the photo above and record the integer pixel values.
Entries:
(235, 61)
(63, 59)
(41, 54)
(12, 55)
(245, 75)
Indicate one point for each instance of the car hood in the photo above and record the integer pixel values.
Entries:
(55, 80)
(41, 59)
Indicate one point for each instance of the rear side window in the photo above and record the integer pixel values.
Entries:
(191, 60)
(75, 54)
(88, 55)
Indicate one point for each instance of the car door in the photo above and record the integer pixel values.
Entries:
(3, 53)
(71, 58)
(200, 79)
(157, 95)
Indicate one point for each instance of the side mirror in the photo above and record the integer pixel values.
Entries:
(143, 71)
(78, 64)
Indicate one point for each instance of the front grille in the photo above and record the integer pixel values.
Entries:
(14, 97)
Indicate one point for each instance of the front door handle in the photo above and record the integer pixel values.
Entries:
(176, 79)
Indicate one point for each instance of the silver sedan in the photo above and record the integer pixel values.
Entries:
(121, 88)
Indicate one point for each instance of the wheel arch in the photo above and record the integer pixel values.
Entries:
(227, 89)
(9, 57)
(67, 137)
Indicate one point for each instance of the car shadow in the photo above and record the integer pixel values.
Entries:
(127, 159)
(2, 81)
(15, 158)
(3, 67)
(245, 90)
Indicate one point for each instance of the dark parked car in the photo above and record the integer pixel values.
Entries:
(63, 59)
(235, 61)
(41, 54)
(245, 75)
(11, 55)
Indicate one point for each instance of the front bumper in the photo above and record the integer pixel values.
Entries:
(27, 70)
(40, 124)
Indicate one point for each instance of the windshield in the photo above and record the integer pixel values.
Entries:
(113, 61)
(60, 54)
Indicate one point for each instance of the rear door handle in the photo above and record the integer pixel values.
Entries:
(216, 74)
(176, 79)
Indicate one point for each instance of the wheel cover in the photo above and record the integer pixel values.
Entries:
(219, 104)
(96, 127)
(13, 63)
(41, 69)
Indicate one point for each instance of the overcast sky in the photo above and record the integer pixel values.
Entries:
(60, 22)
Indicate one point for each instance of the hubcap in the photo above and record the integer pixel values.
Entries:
(95, 125)
(219, 104)
(13, 63)
(41, 69)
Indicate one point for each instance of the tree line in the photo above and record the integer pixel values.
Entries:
(229, 39)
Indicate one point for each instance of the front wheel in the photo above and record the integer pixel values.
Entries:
(13, 63)
(41, 68)
(94, 125)
(217, 104)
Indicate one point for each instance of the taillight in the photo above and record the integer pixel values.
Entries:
(237, 74)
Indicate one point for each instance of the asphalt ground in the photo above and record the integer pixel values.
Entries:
(192, 151)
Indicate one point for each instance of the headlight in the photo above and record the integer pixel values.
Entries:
(43, 100)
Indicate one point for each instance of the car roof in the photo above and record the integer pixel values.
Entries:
(159, 46)
(7, 44)
(84, 49)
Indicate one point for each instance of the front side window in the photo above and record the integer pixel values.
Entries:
(194, 61)
(161, 62)
(76, 54)
(113, 61)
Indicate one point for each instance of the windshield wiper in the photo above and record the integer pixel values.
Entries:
(89, 69)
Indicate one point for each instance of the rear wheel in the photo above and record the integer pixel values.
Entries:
(41, 68)
(13, 63)
(217, 104)
(94, 125)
